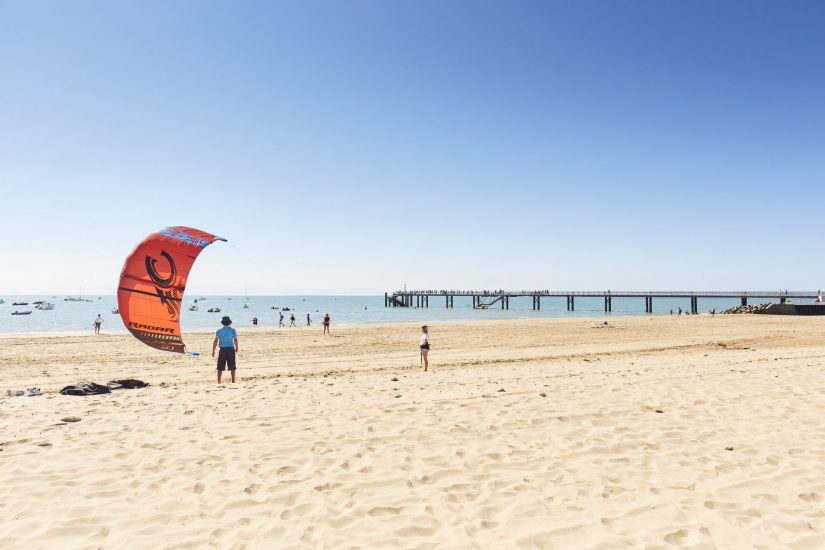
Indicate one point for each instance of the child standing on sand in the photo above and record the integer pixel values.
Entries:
(424, 346)
(227, 338)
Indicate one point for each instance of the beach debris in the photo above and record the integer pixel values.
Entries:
(44, 444)
(397, 395)
(542, 394)
(31, 392)
(728, 448)
(394, 379)
(14, 393)
(70, 419)
(660, 411)
(501, 390)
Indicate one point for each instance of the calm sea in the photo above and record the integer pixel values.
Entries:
(78, 316)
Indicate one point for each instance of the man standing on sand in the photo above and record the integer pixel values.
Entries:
(292, 320)
(280, 320)
(98, 322)
(227, 338)
(309, 320)
(326, 323)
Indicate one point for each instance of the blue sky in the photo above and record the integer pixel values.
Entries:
(352, 147)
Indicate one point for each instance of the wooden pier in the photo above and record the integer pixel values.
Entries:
(485, 299)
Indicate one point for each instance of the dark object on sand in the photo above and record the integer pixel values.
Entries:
(809, 308)
(70, 419)
(85, 388)
(128, 384)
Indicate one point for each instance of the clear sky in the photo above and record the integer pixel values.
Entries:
(352, 147)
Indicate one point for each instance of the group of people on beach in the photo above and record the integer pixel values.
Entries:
(226, 343)
(326, 321)
(679, 311)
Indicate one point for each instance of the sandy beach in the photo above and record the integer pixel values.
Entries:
(691, 432)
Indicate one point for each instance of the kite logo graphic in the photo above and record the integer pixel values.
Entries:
(169, 298)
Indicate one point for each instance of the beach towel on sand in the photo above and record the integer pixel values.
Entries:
(85, 388)
(128, 384)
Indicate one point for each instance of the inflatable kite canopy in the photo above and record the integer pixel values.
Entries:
(152, 283)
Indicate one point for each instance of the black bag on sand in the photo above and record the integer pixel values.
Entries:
(128, 384)
(85, 388)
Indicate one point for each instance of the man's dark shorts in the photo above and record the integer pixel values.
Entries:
(226, 358)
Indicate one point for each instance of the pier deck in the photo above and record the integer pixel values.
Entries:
(484, 299)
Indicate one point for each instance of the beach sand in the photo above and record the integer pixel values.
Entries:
(696, 432)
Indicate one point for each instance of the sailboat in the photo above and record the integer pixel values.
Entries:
(75, 298)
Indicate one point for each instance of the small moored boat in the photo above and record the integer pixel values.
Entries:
(15, 312)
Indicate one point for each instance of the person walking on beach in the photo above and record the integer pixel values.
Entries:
(280, 320)
(424, 346)
(326, 323)
(98, 322)
(227, 339)
(292, 320)
(309, 320)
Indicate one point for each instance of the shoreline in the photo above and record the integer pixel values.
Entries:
(582, 318)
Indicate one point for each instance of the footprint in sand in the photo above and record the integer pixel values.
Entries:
(677, 537)
(384, 511)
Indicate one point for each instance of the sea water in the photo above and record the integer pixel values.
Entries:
(79, 316)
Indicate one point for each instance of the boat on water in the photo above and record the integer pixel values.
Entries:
(2, 301)
(115, 311)
(193, 308)
(15, 312)
(213, 310)
(73, 299)
(38, 302)
(246, 306)
(274, 307)
(20, 303)
(45, 306)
